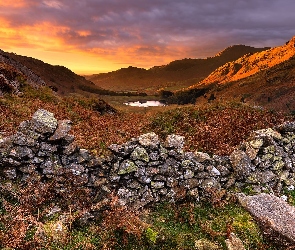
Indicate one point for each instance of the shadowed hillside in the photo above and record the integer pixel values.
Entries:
(60, 77)
(173, 76)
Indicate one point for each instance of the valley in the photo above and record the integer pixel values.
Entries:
(215, 104)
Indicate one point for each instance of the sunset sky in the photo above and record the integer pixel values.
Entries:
(93, 36)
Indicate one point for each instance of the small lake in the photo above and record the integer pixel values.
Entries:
(145, 104)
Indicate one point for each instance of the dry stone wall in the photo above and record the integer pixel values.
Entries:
(145, 170)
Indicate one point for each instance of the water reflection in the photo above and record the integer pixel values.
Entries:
(145, 104)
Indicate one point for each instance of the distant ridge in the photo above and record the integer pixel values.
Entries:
(250, 64)
(176, 75)
(264, 78)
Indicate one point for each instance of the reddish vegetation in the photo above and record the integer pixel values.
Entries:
(91, 130)
(216, 129)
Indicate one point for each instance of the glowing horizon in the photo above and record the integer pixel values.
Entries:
(91, 37)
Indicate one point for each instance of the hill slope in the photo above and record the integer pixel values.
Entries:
(173, 76)
(59, 77)
(265, 78)
(251, 64)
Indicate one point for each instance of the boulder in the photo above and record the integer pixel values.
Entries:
(275, 217)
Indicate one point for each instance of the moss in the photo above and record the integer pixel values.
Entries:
(127, 167)
(182, 226)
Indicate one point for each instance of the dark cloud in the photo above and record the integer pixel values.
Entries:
(200, 28)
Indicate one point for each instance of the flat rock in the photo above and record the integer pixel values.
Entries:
(275, 217)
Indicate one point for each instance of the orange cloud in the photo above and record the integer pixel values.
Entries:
(41, 35)
(14, 4)
(84, 33)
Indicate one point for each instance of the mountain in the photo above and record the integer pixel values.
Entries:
(173, 76)
(58, 78)
(265, 78)
(251, 64)
(13, 74)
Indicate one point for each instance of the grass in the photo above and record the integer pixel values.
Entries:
(181, 226)
(215, 128)
(166, 226)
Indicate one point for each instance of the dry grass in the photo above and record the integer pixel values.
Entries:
(217, 128)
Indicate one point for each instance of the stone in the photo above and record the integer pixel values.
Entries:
(76, 169)
(234, 243)
(188, 174)
(163, 153)
(151, 171)
(268, 133)
(134, 185)
(171, 182)
(204, 244)
(210, 183)
(275, 216)
(187, 164)
(155, 163)
(286, 127)
(278, 165)
(213, 171)
(168, 169)
(44, 121)
(192, 183)
(21, 153)
(122, 150)
(127, 167)
(63, 127)
(149, 140)
(83, 156)
(140, 153)
(25, 140)
(241, 164)
(224, 171)
(202, 157)
(144, 179)
(9, 173)
(174, 141)
(71, 149)
(29, 169)
(10, 162)
(46, 149)
(157, 184)
(261, 177)
(253, 147)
